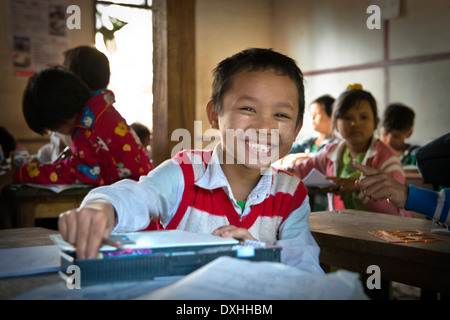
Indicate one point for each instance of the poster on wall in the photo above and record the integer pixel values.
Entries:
(38, 34)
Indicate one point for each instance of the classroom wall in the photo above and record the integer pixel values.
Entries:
(325, 35)
(320, 35)
(223, 28)
(331, 43)
(11, 88)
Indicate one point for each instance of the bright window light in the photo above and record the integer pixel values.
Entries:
(130, 56)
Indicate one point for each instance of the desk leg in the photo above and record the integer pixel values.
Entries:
(24, 214)
(6, 214)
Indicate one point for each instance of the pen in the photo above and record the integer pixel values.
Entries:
(61, 155)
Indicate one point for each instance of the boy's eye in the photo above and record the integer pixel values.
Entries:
(282, 115)
(250, 109)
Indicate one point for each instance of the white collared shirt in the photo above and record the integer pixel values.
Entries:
(214, 178)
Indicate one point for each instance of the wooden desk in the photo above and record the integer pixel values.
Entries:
(343, 238)
(346, 243)
(25, 203)
(25, 237)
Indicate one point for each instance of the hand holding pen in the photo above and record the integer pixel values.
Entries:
(63, 154)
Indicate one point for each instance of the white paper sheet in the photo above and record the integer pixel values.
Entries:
(236, 279)
(316, 178)
(156, 239)
(57, 188)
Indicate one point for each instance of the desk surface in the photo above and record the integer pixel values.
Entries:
(344, 239)
(345, 242)
(25, 237)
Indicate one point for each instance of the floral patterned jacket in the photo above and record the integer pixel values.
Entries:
(104, 150)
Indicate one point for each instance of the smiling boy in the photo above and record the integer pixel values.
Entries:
(257, 105)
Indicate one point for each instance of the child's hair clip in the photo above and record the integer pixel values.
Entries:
(355, 86)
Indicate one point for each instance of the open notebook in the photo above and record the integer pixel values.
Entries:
(156, 240)
(29, 260)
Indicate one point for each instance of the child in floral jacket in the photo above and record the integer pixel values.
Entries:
(104, 148)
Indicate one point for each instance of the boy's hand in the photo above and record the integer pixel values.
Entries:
(233, 232)
(343, 185)
(300, 158)
(379, 186)
(86, 227)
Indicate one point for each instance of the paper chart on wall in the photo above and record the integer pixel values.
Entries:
(38, 34)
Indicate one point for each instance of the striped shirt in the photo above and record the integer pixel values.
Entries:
(190, 192)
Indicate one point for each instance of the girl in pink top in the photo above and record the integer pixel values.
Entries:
(355, 119)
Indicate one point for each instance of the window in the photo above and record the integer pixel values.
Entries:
(124, 35)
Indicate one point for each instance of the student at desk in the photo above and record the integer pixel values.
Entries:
(355, 118)
(104, 149)
(92, 66)
(321, 110)
(231, 191)
(397, 126)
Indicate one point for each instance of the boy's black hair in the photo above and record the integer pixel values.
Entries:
(397, 116)
(348, 99)
(91, 65)
(256, 59)
(52, 97)
(326, 101)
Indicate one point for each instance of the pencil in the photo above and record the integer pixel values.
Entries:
(115, 244)
(62, 154)
(112, 243)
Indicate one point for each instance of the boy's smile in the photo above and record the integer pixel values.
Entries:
(258, 118)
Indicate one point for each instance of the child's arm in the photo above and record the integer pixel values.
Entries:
(378, 186)
(299, 247)
(35, 172)
(124, 206)
(317, 161)
(156, 195)
(303, 167)
(87, 227)
(383, 205)
(433, 204)
(230, 231)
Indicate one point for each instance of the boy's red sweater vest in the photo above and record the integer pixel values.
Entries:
(203, 210)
